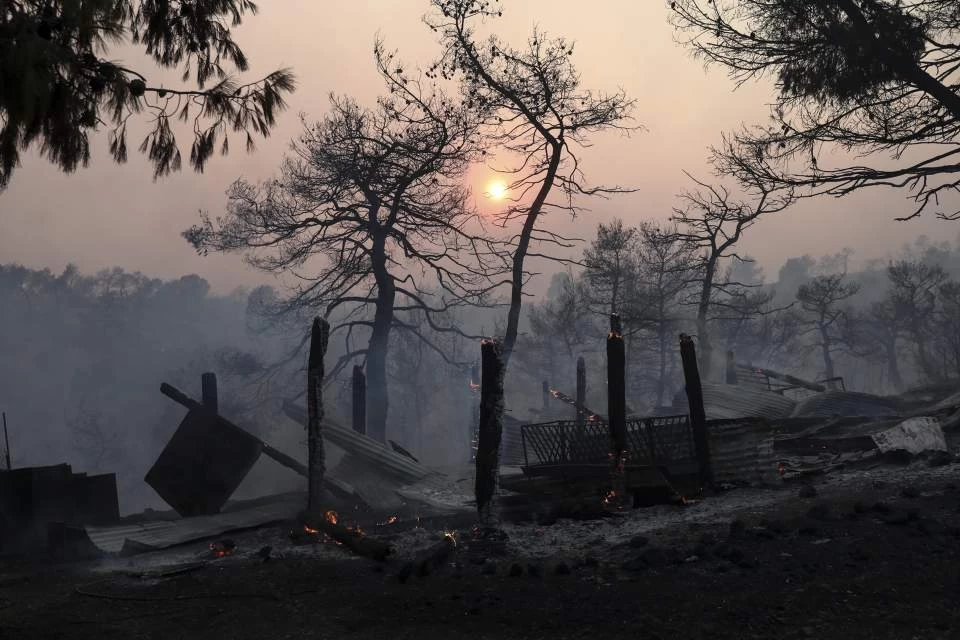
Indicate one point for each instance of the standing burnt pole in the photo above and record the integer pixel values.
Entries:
(359, 400)
(490, 431)
(617, 406)
(319, 337)
(6, 443)
(698, 416)
(208, 393)
(731, 369)
(581, 390)
(545, 396)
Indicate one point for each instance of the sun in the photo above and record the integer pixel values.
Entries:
(497, 190)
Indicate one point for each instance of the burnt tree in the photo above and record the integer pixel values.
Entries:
(698, 416)
(534, 110)
(372, 215)
(319, 338)
(617, 404)
(866, 92)
(490, 431)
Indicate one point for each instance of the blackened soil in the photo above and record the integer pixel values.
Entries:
(848, 566)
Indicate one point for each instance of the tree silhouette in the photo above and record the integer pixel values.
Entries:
(377, 197)
(56, 85)
(536, 112)
(869, 77)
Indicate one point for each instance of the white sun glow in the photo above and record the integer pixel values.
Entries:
(497, 190)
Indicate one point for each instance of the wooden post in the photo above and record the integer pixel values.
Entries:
(731, 369)
(319, 337)
(698, 416)
(617, 405)
(581, 390)
(359, 400)
(6, 441)
(491, 430)
(208, 394)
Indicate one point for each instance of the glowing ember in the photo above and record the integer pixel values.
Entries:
(452, 536)
(312, 532)
(607, 499)
(331, 517)
(781, 469)
(222, 549)
(390, 520)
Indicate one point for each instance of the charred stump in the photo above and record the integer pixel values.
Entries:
(698, 416)
(617, 405)
(581, 390)
(208, 393)
(490, 431)
(319, 337)
(430, 559)
(359, 400)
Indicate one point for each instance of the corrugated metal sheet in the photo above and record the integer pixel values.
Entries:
(729, 401)
(151, 536)
(741, 451)
(400, 466)
(845, 403)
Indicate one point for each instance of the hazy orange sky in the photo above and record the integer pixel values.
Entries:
(115, 215)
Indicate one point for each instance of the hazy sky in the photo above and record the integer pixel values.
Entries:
(115, 215)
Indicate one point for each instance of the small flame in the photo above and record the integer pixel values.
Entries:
(390, 520)
(331, 517)
(452, 536)
(312, 532)
(607, 499)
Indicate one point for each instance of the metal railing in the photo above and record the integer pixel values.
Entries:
(567, 442)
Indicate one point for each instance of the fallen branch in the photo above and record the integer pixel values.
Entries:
(429, 559)
(357, 542)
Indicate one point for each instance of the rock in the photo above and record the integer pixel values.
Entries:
(516, 570)
(562, 569)
(807, 491)
(489, 568)
(637, 542)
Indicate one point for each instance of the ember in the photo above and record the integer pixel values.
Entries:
(222, 548)
(331, 517)
(390, 520)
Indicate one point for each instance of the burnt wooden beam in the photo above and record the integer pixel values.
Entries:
(490, 431)
(698, 415)
(617, 404)
(359, 543)
(208, 393)
(319, 338)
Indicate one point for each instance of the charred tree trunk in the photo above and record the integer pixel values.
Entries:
(581, 390)
(208, 393)
(698, 416)
(359, 400)
(828, 368)
(703, 311)
(490, 432)
(545, 397)
(731, 368)
(377, 393)
(523, 245)
(319, 337)
(617, 405)
(893, 365)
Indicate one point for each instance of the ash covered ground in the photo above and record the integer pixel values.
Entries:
(868, 553)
